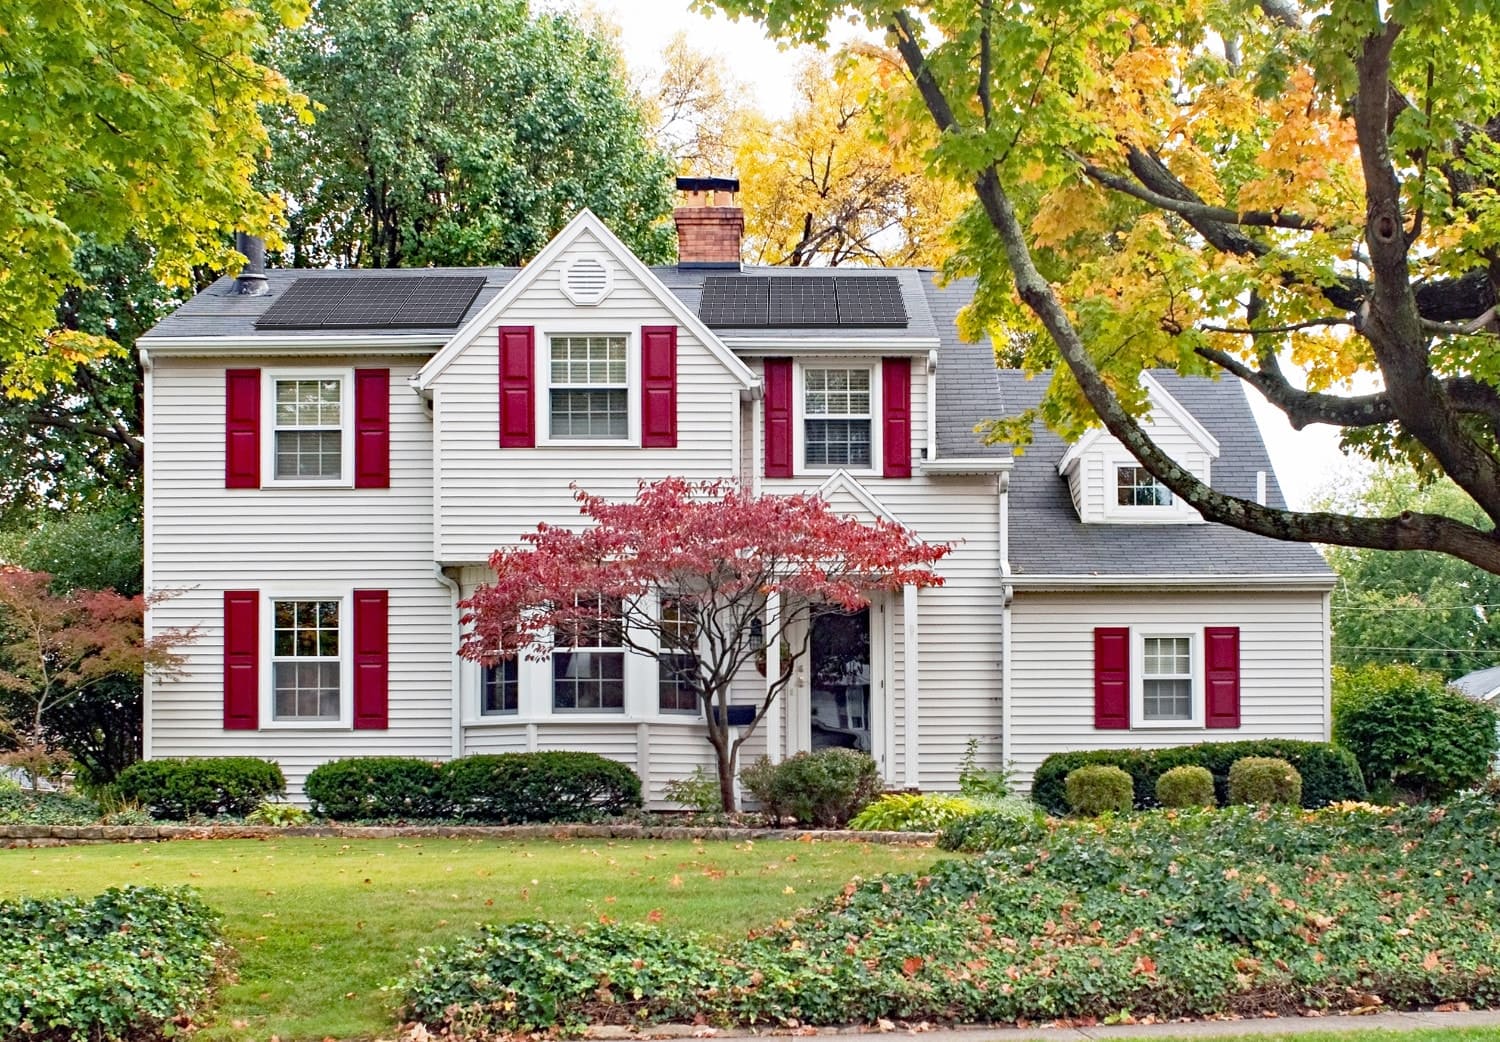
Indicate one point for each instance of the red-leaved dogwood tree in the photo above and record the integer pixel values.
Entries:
(681, 574)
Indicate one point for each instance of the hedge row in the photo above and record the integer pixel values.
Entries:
(1329, 774)
(176, 790)
(122, 965)
(504, 789)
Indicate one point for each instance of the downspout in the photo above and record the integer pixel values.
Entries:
(932, 364)
(150, 472)
(1007, 594)
(455, 666)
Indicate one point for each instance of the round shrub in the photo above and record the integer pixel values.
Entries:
(1264, 779)
(177, 790)
(913, 812)
(1412, 733)
(515, 788)
(1186, 786)
(824, 789)
(375, 788)
(1094, 790)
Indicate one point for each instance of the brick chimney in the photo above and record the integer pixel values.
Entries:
(709, 222)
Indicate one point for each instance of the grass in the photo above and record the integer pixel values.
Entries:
(321, 925)
(1486, 1034)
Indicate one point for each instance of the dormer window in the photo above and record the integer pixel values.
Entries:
(1136, 487)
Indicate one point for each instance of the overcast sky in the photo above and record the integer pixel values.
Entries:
(1305, 461)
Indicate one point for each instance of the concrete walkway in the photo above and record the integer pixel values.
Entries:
(1197, 1029)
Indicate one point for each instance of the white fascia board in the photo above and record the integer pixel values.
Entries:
(786, 345)
(1214, 583)
(1175, 409)
(842, 480)
(966, 465)
(1078, 448)
(342, 344)
(585, 221)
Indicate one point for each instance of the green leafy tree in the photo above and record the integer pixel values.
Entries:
(466, 132)
(1427, 609)
(120, 118)
(1229, 188)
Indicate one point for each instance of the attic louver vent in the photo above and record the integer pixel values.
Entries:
(802, 302)
(372, 302)
(586, 281)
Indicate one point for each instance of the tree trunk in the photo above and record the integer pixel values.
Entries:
(726, 779)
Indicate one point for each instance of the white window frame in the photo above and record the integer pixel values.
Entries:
(345, 597)
(799, 414)
(1176, 511)
(544, 385)
(498, 714)
(605, 649)
(1138, 637)
(269, 379)
(695, 713)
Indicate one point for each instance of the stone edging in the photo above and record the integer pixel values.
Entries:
(69, 835)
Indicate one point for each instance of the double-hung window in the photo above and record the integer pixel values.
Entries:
(836, 417)
(1136, 487)
(588, 667)
(500, 688)
(589, 388)
(1167, 679)
(305, 669)
(308, 429)
(677, 661)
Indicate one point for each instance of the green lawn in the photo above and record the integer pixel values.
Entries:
(1370, 1035)
(320, 925)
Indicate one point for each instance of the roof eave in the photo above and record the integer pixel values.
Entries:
(1262, 580)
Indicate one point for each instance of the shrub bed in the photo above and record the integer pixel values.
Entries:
(518, 788)
(120, 965)
(824, 789)
(18, 807)
(1329, 774)
(375, 788)
(178, 790)
(911, 812)
(1164, 914)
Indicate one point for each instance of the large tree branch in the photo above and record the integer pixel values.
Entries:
(1405, 532)
(1189, 208)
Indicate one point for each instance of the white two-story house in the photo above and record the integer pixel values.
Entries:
(333, 455)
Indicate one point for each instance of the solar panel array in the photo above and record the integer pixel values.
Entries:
(802, 302)
(368, 302)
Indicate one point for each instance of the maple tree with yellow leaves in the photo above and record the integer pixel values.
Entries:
(1307, 199)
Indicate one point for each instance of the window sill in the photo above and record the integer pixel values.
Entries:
(1166, 725)
(306, 725)
(311, 486)
(587, 443)
(563, 718)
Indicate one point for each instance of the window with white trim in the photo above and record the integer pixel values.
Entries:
(588, 667)
(1135, 486)
(500, 688)
(305, 665)
(308, 428)
(677, 662)
(589, 388)
(1167, 679)
(837, 417)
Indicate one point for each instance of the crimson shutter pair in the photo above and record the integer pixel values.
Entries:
(372, 428)
(895, 417)
(1221, 673)
(658, 387)
(372, 658)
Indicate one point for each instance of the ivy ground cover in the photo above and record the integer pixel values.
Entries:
(1165, 914)
(319, 926)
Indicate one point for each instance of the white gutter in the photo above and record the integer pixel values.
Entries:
(146, 526)
(784, 345)
(365, 343)
(958, 465)
(1211, 582)
(1007, 594)
(454, 688)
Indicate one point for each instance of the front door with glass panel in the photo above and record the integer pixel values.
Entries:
(839, 679)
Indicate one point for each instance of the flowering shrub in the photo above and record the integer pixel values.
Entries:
(1166, 913)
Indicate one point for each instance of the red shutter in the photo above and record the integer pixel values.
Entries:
(895, 416)
(242, 428)
(659, 387)
(1221, 652)
(1111, 678)
(372, 428)
(517, 387)
(778, 408)
(372, 659)
(241, 659)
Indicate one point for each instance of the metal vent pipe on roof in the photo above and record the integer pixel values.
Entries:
(251, 281)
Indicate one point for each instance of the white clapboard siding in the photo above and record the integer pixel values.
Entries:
(207, 539)
(489, 496)
(1283, 667)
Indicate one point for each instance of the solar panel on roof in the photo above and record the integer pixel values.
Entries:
(871, 301)
(803, 302)
(735, 301)
(370, 302)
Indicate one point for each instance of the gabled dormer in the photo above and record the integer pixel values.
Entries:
(1109, 486)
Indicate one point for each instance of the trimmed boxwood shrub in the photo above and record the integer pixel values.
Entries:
(375, 788)
(206, 787)
(824, 789)
(1094, 790)
(516, 788)
(1186, 786)
(1329, 774)
(1261, 780)
(122, 965)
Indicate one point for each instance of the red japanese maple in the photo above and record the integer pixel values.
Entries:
(710, 553)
